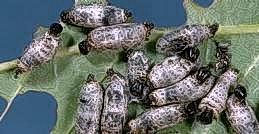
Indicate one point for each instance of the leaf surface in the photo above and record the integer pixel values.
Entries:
(63, 77)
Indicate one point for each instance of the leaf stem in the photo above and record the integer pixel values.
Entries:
(73, 50)
(10, 102)
(238, 29)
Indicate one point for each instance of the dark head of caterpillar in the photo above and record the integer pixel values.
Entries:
(137, 87)
(128, 14)
(191, 109)
(18, 72)
(64, 16)
(82, 101)
(203, 74)
(190, 54)
(90, 78)
(84, 47)
(240, 93)
(149, 26)
(55, 29)
(213, 28)
(206, 117)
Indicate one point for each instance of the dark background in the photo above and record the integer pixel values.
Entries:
(34, 112)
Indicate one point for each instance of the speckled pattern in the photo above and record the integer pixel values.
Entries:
(223, 56)
(138, 65)
(121, 36)
(90, 108)
(216, 99)
(186, 90)
(170, 71)
(92, 16)
(187, 36)
(115, 106)
(156, 119)
(241, 116)
(39, 51)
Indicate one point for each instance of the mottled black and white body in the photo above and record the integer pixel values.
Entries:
(41, 49)
(189, 89)
(223, 56)
(90, 107)
(156, 119)
(92, 16)
(187, 36)
(138, 67)
(115, 105)
(121, 36)
(173, 69)
(215, 101)
(240, 115)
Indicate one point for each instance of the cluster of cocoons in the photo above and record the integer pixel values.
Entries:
(174, 89)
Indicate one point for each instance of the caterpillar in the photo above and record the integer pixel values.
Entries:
(120, 36)
(40, 50)
(187, 36)
(240, 115)
(215, 101)
(115, 104)
(92, 16)
(191, 88)
(174, 68)
(138, 69)
(90, 107)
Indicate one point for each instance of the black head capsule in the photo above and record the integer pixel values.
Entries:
(191, 54)
(128, 14)
(149, 26)
(206, 117)
(191, 108)
(84, 47)
(18, 72)
(203, 74)
(55, 29)
(137, 85)
(240, 93)
(213, 28)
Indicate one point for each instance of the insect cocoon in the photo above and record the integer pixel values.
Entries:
(90, 107)
(173, 69)
(40, 50)
(187, 36)
(240, 115)
(189, 89)
(92, 16)
(215, 101)
(121, 36)
(115, 105)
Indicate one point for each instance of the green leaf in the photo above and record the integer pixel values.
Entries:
(63, 77)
